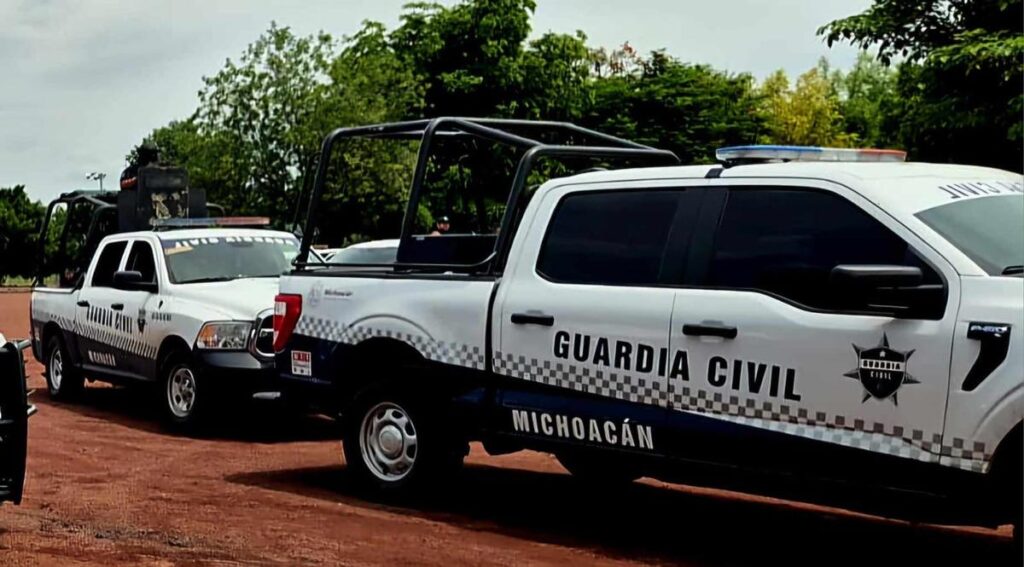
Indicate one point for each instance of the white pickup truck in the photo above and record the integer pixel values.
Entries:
(186, 309)
(794, 313)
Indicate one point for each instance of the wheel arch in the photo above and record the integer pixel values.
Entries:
(374, 362)
(170, 345)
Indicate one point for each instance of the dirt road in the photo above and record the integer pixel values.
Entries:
(107, 485)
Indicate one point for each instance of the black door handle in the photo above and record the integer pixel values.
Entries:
(117, 307)
(710, 331)
(83, 303)
(532, 319)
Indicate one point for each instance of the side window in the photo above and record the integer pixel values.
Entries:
(141, 260)
(786, 242)
(618, 237)
(106, 266)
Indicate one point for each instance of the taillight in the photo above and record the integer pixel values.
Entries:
(287, 309)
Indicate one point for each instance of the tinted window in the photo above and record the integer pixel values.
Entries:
(990, 230)
(141, 260)
(617, 238)
(106, 266)
(787, 241)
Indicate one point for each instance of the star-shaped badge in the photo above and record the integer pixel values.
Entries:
(882, 370)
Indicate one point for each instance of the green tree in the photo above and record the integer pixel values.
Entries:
(868, 101)
(659, 101)
(960, 97)
(808, 114)
(20, 219)
(261, 120)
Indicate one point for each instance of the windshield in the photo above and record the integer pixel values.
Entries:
(365, 255)
(222, 258)
(989, 230)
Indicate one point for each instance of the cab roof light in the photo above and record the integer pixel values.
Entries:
(763, 154)
(211, 222)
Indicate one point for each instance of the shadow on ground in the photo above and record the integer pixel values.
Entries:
(137, 408)
(657, 524)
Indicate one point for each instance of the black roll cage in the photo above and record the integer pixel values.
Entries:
(102, 202)
(495, 130)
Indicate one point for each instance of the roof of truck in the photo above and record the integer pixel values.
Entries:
(912, 186)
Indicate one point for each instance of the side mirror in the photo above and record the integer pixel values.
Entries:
(132, 281)
(895, 291)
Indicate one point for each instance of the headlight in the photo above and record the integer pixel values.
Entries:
(228, 335)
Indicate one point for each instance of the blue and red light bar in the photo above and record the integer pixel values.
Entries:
(752, 154)
(211, 222)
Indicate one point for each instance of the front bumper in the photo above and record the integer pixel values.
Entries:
(238, 372)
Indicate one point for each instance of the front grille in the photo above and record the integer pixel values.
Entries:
(263, 343)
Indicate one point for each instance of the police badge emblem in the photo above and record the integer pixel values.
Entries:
(141, 321)
(882, 371)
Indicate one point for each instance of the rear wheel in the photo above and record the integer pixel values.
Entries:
(394, 446)
(63, 380)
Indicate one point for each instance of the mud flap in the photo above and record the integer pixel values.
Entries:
(14, 413)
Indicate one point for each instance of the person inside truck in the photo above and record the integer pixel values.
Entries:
(442, 226)
(147, 153)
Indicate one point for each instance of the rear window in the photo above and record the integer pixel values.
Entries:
(617, 237)
(989, 230)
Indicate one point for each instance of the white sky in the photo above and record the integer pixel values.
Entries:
(82, 81)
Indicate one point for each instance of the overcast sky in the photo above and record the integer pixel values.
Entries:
(82, 81)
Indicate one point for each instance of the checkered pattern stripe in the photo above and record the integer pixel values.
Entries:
(458, 354)
(117, 341)
(102, 335)
(857, 433)
(620, 386)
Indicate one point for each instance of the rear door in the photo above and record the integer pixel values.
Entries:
(779, 358)
(583, 318)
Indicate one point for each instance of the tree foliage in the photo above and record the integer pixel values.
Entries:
(662, 102)
(20, 219)
(808, 114)
(959, 87)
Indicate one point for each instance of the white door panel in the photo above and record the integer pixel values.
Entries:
(799, 372)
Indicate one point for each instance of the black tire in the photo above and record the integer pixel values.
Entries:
(395, 444)
(185, 398)
(64, 382)
(593, 469)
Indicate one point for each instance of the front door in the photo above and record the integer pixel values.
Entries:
(779, 359)
(585, 326)
(139, 350)
(101, 321)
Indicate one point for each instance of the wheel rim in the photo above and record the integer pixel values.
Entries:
(181, 392)
(56, 369)
(387, 441)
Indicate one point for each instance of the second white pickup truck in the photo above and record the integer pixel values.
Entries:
(188, 310)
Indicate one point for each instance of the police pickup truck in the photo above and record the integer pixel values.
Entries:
(187, 309)
(836, 323)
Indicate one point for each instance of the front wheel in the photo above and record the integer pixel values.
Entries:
(63, 380)
(184, 395)
(394, 447)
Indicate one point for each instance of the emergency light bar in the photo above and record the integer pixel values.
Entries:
(209, 222)
(754, 154)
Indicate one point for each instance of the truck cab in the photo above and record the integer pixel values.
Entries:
(838, 326)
